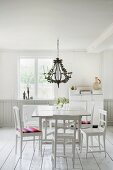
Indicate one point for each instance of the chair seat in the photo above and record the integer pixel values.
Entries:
(92, 131)
(29, 130)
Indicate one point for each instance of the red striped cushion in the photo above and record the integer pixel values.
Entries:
(30, 130)
(33, 129)
(85, 122)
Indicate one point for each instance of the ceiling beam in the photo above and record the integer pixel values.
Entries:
(104, 36)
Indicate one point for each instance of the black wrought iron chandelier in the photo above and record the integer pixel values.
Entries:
(57, 74)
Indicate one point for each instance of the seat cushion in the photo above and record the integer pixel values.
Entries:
(30, 130)
(85, 122)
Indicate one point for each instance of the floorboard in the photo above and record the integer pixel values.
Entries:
(32, 160)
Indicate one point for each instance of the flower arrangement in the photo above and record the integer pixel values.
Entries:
(61, 101)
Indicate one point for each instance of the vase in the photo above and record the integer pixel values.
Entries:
(97, 84)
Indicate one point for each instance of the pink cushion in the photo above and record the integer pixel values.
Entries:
(85, 122)
(30, 130)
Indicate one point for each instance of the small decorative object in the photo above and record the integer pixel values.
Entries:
(24, 95)
(97, 84)
(27, 92)
(85, 91)
(61, 101)
(57, 74)
(72, 87)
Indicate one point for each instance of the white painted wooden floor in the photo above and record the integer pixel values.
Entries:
(33, 161)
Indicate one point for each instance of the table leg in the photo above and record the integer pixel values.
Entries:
(40, 123)
(44, 138)
(45, 128)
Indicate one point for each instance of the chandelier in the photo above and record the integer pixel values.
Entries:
(57, 74)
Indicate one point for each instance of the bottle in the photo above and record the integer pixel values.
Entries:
(72, 87)
(24, 95)
(27, 92)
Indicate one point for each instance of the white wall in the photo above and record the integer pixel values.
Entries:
(107, 69)
(83, 65)
(8, 76)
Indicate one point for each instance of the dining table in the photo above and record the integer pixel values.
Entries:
(50, 112)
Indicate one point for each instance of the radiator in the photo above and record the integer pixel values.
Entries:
(108, 106)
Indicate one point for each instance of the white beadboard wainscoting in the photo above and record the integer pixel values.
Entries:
(6, 111)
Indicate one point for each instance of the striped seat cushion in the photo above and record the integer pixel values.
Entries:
(30, 130)
(85, 122)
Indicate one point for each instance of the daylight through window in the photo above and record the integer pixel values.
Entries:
(31, 75)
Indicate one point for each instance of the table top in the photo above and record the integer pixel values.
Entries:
(51, 111)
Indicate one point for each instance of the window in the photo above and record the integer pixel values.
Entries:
(31, 75)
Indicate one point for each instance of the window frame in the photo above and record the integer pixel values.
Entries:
(36, 58)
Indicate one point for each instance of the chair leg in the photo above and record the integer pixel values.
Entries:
(86, 145)
(79, 135)
(52, 147)
(92, 141)
(64, 149)
(21, 140)
(45, 128)
(34, 142)
(73, 147)
(81, 144)
(16, 140)
(99, 141)
(64, 139)
(104, 144)
(55, 154)
(39, 141)
(41, 144)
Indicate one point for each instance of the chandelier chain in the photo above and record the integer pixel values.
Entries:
(58, 48)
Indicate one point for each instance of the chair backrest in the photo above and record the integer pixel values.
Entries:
(17, 118)
(78, 104)
(92, 111)
(27, 113)
(103, 119)
(64, 119)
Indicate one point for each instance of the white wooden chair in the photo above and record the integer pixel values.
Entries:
(64, 137)
(100, 131)
(22, 132)
(87, 121)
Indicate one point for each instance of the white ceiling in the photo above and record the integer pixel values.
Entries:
(36, 24)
